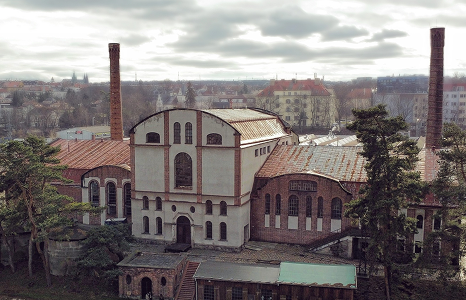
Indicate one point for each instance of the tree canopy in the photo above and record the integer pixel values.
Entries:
(31, 203)
(392, 184)
(190, 100)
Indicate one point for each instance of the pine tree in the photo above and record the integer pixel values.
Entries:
(190, 100)
(391, 182)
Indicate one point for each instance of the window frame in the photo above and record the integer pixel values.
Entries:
(153, 137)
(94, 193)
(337, 207)
(208, 207)
(278, 204)
(293, 206)
(159, 226)
(223, 208)
(183, 171)
(111, 198)
(145, 224)
(127, 199)
(145, 203)
(223, 231)
(308, 207)
(267, 204)
(208, 230)
(176, 133)
(320, 207)
(158, 203)
(214, 139)
(188, 133)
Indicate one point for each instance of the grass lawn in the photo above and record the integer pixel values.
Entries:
(20, 285)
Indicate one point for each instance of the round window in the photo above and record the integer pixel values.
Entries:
(192, 209)
(173, 207)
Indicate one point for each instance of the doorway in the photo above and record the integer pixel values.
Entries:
(183, 230)
(146, 288)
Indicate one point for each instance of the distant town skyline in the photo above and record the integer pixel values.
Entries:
(227, 40)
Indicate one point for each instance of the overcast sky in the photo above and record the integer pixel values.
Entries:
(227, 39)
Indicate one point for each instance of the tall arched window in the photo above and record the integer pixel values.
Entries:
(278, 204)
(208, 207)
(267, 204)
(293, 206)
(336, 208)
(158, 222)
(320, 207)
(158, 203)
(111, 198)
(223, 231)
(183, 170)
(214, 139)
(208, 230)
(145, 224)
(145, 202)
(127, 192)
(176, 133)
(420, 221)
(223, 208)
(308, 206)
(152, 137)
(188, 133)
(94, 193)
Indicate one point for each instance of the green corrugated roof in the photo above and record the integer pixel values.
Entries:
(343, 276)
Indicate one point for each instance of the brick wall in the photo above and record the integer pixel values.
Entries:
(326, 188)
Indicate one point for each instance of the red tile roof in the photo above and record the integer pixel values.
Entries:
(89, 154)
(341, 163)
(363, 93)
(295, 85)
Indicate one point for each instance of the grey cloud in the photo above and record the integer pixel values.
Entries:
(211, 63)
(296, 23)
(24, 75)
(387, 34)
(343, 33)
(134, 40)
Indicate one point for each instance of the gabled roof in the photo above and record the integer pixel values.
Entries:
(316, 87)
(254, 126)
(362, 93)
(341, 163)
(89, 154)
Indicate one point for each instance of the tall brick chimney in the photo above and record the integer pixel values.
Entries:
(116, 119)
(434, 116)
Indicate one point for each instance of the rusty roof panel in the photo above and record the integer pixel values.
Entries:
(89, 154)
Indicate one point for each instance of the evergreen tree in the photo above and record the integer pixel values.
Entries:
(27, 169)
(190, 100)
(391, 182)
(449, 187)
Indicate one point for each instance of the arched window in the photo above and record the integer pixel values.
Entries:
(420, 221)
(437, 222)
(158, 221)
(320, 207)
(152, 137)
(145, 202)
(278, 204)
(176, 133)
(94, 193)
(188, 133)
(267, 204)
(223, 208)
(208, 207)
(214, 139)
(158, 203)
(293, 206)
(183, 170)
(308, 206)
(111, 198)
(127, 192)
(208, 230)
(336, 208)
(223, 231)
(145, 222)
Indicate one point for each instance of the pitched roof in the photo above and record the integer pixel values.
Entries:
(341, 163)
(362, 93)
(254, 126)
(89, 154)
(315, 86)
